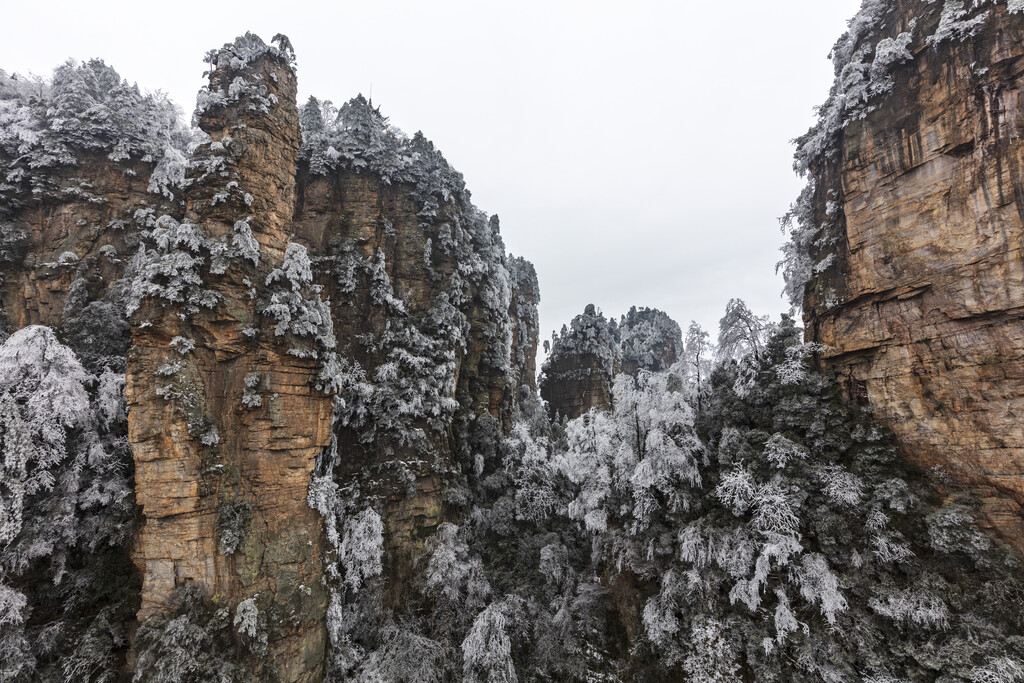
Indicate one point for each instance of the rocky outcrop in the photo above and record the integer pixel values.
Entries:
(225, 421)
(525, 321)
(586, 356)
(577, 374)
(650, 340)
(912, 232)
(315, 299)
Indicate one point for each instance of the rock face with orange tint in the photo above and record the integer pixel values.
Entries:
(316, 307)
(225, 419)
(912, 234)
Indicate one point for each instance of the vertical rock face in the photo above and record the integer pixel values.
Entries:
(577, 374)
(525, 321)
(438, 328)
(913, 233)
(586, 356)
(225, 421)
(323, 329)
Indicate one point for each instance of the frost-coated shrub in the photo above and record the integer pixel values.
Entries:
(487, 650)
(193, 642)
(295, 305)
(171, 269)
(362, 547)
(251, 625)
(635, 462)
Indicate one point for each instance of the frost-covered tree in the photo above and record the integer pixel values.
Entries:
(487, 650)
(698, 356)
(741, 332)
(636, 463)
(66, 513)
(800, 545)
(87, 108)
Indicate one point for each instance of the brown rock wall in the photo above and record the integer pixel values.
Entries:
(201, 452)
(90, 215)
(927, 320)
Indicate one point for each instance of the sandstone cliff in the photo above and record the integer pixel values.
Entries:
(325, 332)
(221, 479)
(909, 236)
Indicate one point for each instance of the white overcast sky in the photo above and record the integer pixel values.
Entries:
(638, 153)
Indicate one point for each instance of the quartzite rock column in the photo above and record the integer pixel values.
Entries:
(225, 423)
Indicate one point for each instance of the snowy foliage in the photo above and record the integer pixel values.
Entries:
(295, 305)
(742, 530)
(86, 108)
(958, 21)
(698, 357)
(413, 384)
(712, 658)
(487, 650)
(44, 397)
(359, 137)
(740, 332)
(404, 655)
(790, 523)
(636, 464)
(171, 269)
(232, 519)
(453, 575)
(362, 547)
(909, 607)
(65, 507)
(192, 643)
(251, 625)
(529, 465)
(649, 339)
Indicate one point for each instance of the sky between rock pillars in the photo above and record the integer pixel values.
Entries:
(637, 153)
